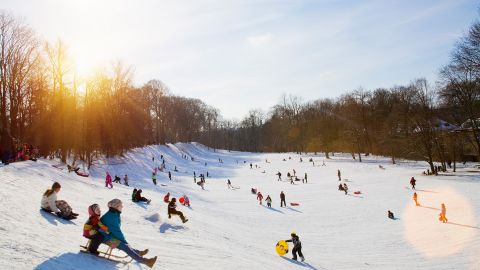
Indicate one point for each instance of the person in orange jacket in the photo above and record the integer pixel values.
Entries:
(443, 214)
(415, 197)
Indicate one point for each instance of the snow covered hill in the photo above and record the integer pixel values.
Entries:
(228, 229)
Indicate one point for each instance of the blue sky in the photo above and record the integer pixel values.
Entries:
(238, 54)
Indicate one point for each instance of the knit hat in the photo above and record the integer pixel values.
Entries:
(115, 203)
(92, 208)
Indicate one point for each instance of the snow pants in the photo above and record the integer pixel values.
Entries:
(95, 242)
(283, 203)
(175, 212)
(133, 253)
(296, 250)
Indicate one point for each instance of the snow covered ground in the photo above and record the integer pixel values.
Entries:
(228, 229)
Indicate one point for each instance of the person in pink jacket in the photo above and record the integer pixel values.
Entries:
(108, 180)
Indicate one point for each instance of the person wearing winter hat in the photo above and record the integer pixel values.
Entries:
(297, 246)
(116, 239)
(173, 211)
(93, 227)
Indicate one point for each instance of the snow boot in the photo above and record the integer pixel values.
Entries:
(302, 258)
(185, 220)
(143, 252)
(150, 262)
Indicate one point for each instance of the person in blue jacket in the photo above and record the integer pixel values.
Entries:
(116, 239)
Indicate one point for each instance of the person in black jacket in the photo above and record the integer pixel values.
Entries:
(282, 199)
(172, 205)
(297, 246)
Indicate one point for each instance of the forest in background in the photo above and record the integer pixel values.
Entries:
(45, 104)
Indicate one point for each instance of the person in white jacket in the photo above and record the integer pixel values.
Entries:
(49, 203)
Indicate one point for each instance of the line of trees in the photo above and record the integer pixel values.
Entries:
(437, 123)
(44, 103)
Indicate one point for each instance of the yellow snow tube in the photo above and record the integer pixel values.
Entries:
(282, 248)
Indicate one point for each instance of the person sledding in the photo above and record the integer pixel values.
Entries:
(390, 215)
(345, 188)
(172, 210)
(166, 199)
(229, 184)
(297, 246)
(185, 201)
(340, 187)
(259, 197)
(50, 204)
(94, 228)
(139, 198)
(116, 239)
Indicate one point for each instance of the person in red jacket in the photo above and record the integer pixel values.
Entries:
(166, 199)
(93, 227)
(259, 197)
(413, 182)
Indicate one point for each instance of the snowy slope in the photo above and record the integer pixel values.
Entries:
(228, 229)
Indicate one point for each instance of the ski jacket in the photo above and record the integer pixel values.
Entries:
(171, 207)
(111, 219)
(93, 226)
(108, 179)
(268, 200)
(49, 203)
(282, 196)
(259, 196)
(296, 241)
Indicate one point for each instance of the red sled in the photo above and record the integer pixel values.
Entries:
(294, 204)
(357, 192)
(82, 174)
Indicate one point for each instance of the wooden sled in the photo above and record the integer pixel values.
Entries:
(107, 254)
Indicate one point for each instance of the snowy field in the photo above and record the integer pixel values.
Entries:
(228, 229)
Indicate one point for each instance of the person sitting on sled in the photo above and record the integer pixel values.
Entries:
(93, 227)
(173, 211)
(166, 199)
(116, 239)
(186, 201)
(140, 198)
(50, 204)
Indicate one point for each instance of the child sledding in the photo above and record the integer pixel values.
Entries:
(50, 203)
(107, 230)
(172, 210)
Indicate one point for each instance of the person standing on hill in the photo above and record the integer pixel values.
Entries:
(305, 179)
(443, 214)
(108, 180)
(125, 180)
(229, 184)
(339, 175)
(282, 200)
(259, 197)
(169, 175)
(297, 246)
(269, 201)
(154, 178)
(415, 197)
(413, 182)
